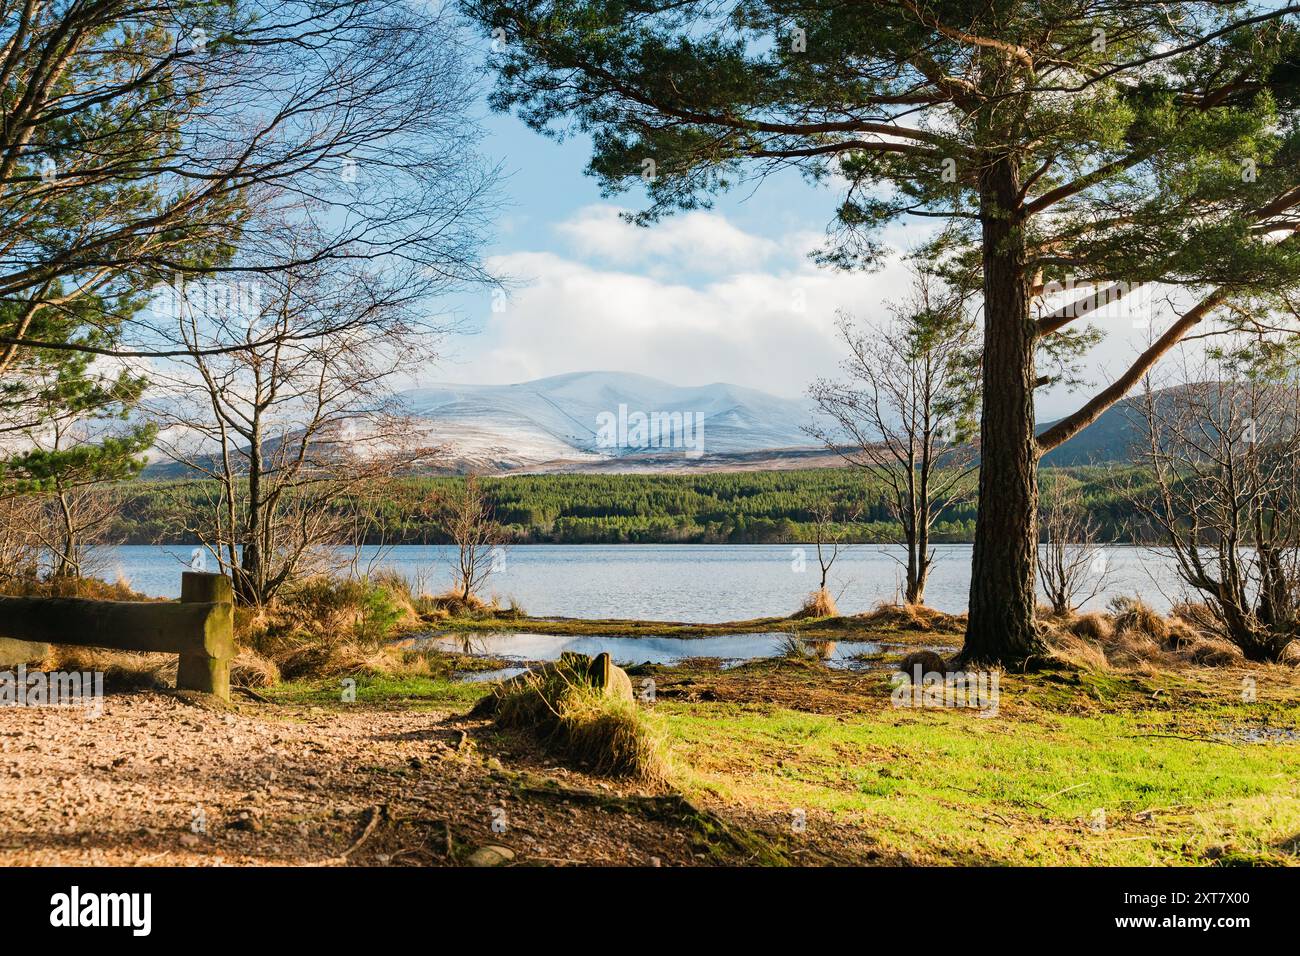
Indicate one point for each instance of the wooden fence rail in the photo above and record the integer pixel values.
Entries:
(200, 628)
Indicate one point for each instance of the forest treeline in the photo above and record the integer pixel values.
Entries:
(750, 507)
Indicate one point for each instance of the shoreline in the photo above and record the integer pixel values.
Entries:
(869, 625)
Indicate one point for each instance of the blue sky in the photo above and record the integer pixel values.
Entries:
(726, 295)
(723, 295)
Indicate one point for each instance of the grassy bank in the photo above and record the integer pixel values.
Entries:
(1084, 768)
(1127, 759)
(899, 624)
(1077, 767)
(1145, 743)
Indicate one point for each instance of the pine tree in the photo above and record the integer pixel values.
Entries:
(75, 432)
(1099, 142)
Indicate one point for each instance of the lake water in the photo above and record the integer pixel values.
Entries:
(730, 648)
(689, 583)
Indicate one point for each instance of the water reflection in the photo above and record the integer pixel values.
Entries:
(731, 649)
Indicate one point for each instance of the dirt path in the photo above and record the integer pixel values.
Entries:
(159, 780)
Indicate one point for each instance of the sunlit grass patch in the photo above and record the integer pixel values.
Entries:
(1124, 785)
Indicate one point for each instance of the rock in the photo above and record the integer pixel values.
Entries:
(491, 855)
(246, 820)
(929, 662)
(604, 673)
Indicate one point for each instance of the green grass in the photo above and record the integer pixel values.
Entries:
(1154, 751)
(947, 786)
(849, 627)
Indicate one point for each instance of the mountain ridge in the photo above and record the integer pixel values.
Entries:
(553, 424)
(548, 421)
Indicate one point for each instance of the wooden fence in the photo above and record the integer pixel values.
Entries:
(200, 628)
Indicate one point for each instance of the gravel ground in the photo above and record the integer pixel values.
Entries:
(159, 779)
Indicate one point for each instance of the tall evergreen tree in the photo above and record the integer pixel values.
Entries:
(1113, 142)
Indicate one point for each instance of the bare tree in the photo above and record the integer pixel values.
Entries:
(1223, 448)
(904, 410)
(298, 426)
(20, 545)
(1072, 567)
(75, 524)
(154, 150)
(828, 537)
(469, 522)
(138, 136)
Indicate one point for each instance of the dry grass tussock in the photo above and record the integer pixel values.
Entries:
(820, 603)
(1134, 636)
(795, 647)
(929, 662)
(439, 607)
(123, 670)
(327, 627)
(91, 588)
(913, 617)
(251, 669)
(571, 718)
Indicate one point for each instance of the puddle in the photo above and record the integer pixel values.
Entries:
(731, 649)
(1260, 735)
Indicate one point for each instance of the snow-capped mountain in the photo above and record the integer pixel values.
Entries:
(599, 419)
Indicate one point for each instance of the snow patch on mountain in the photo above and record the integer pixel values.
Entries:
(560, 418)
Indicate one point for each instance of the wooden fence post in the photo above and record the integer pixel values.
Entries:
(209, 671)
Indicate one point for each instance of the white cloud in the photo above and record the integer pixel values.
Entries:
(693, 241)
(768, 330)
(694, 300)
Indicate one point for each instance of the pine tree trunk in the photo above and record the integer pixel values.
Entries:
(1001, 628)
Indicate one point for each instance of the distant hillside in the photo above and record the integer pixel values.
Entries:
(553, 425)
(1108, 440)
(566, 422)
(1113, 437)
(588, 421)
